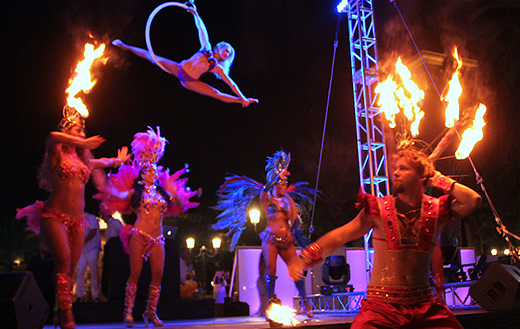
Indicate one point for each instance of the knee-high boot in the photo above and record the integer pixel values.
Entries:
(130, 291)
(300, 285)
(151, 306)
(270, 281)
(64, 318)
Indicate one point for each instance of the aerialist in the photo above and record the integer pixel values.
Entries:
(216, 60)
(405, 230)
(66, 169)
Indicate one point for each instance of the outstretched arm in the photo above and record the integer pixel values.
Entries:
(170, 65)
(245, 101)
(90, 143)
(201, 28)
(331, 241)
(122, 156)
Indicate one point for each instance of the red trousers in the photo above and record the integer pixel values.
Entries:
(431, 314)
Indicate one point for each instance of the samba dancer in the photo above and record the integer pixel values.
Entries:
(151, 193)
(216, 60)
(282, 214)
(66, 168)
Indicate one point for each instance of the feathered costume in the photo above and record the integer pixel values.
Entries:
(147, 149)
(237, 193)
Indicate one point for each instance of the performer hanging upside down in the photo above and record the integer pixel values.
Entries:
(405, 231)
(216, 60)
(66, 168)
(150, 192)
(282, 214)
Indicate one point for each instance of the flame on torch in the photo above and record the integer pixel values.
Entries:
(82, 79)
(393, 98)
(281, 314)
(453, 94)
(472, 135)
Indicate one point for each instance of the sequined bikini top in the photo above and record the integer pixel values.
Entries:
(73, 166)
(274, 207)
(212, 60)
(152, 199)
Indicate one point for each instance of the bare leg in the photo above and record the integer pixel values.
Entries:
(136, 249)
(156, 260)
(206, 90)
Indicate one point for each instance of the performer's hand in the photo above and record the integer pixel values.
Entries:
(248, 101)
(122, 154)
(296, 268)
(117, 43)
(92, 142)
(284, 173)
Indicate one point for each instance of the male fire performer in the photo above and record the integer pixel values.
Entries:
(405, 230)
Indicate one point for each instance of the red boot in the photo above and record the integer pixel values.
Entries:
(151, 307)
(130, 290)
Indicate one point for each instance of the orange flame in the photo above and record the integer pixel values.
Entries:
(281, 314)
(82, 80)
(393, 98)
(472, 135)
(453, 93)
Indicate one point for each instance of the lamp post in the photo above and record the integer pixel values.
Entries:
(203, 253)
(254, 216)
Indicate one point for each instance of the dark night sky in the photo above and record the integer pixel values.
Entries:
(284, 58)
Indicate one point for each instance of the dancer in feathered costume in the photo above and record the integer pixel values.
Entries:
(151, 193)
(283, 207)
(66, 169)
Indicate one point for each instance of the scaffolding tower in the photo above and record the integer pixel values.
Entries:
(373, 172)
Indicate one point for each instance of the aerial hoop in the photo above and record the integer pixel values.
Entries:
(149, 23)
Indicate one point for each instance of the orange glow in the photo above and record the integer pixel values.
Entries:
(406, 98)
(453, 94)
(82, 80)
(281, 314)
(472, 135)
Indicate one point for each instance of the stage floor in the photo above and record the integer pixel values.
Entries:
(471, 318)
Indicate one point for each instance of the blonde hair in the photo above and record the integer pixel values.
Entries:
(226, 64)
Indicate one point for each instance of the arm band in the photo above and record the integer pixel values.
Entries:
(312, 254)
(117, 162)
(443, 183)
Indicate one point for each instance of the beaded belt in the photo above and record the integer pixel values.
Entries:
(400, 295)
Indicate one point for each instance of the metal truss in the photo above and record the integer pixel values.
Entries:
(342, 302)
(373, 172)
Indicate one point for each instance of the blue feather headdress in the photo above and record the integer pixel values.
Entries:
(237, 193)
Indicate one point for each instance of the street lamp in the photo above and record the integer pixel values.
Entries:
(203, 253)
(254, 216)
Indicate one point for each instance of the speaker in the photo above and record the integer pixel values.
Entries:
(22, 305)
(497, 289)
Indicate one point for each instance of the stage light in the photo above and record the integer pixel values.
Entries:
(190, 243)
(494, 252)
(335, 270)
(343, 6)
(216, 243)
(506, 252)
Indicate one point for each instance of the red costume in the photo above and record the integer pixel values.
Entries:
(405, 307)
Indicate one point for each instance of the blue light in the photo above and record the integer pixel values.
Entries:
(342, 5)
